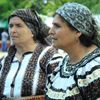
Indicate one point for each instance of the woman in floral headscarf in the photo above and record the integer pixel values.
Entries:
(78, 76)
(23, 70)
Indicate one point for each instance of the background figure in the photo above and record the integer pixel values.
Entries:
(23, 71)
(4, 38)
(78, 75)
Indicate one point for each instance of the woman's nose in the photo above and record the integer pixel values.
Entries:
(51, 31)
(12, 29)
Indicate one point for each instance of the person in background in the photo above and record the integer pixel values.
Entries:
(23, 71)
(77, 76)
(4, 39)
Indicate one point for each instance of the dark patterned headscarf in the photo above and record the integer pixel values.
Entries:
(81, 18)
(33, 21)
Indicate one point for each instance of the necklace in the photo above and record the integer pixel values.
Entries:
(68, 69)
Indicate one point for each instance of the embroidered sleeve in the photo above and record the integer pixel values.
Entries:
(46, 57)
(50, 59)
(1, 62)
(89, 84)
(54, 63)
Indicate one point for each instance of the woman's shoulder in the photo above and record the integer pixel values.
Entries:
(2, 59)
(91, 70)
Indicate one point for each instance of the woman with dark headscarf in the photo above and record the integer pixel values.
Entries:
(78, 76)
(24, 68)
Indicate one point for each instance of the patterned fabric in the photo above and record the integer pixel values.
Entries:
(33, 21)
(79, 81)
(30, 79)
(78, 16)
(29, 17)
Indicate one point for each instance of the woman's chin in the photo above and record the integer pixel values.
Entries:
(55, 45)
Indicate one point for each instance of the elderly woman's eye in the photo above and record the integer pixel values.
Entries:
(56, 25)
(10, 26)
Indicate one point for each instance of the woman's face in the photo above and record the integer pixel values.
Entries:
(19, 32)
(63, 37)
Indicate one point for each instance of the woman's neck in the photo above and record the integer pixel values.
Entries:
(26, 48)
(77, 54)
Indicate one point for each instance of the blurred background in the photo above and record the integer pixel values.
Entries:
(45, 8)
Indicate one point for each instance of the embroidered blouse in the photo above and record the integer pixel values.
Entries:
(79, 81)
(23, 79)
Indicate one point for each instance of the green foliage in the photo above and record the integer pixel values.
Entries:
(52, 5)
(2, 2)
(7, 6)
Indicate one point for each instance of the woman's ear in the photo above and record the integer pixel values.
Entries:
(78, 34)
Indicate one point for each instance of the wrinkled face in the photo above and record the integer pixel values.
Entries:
(19, 32)
(63, 36)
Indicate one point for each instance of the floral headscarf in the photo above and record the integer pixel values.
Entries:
(81, 18)
(34, 23)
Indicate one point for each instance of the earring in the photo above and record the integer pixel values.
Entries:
(32, 35)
